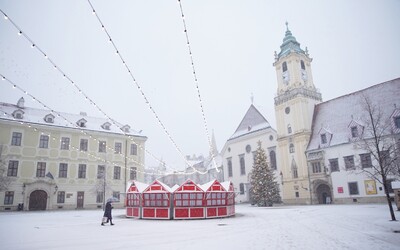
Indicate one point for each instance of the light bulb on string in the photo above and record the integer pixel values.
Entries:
(20, 33)
(33, 45)
(5, 17)
(3, 78)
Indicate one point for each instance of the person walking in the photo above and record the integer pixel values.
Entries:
(107, 214)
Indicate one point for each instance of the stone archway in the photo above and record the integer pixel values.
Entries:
(38, 200)
(324, 194)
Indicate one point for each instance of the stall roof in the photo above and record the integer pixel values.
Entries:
(208, 185)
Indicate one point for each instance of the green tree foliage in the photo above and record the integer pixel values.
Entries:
(264, 188)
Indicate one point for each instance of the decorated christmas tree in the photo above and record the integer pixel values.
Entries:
(264, 188)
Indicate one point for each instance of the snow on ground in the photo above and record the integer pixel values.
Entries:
(287, 227)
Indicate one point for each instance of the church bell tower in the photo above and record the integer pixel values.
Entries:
(294, 108)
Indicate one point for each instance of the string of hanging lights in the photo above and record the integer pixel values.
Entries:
(136, 83)
(196, 81)
(75, 85)
(80, 91)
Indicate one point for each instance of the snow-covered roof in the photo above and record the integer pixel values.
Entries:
(165, 186)
(253, 121)
(207, 185)
(226, 185)
(338, 114)
(65, 120)
(139, 185)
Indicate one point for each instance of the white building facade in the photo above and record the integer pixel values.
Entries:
(53, 160)
(239, 151)
(339, 164)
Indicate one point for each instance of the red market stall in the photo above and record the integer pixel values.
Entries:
(134, 199)
(156, 201)
(188, 201)
(216, 199)
(231, 197)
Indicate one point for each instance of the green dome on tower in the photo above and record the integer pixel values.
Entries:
(289, 44)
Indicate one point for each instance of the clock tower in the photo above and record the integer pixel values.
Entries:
(294, 108)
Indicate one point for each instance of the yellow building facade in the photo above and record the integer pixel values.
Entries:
(52, 160)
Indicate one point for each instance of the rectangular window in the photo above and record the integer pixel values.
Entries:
(65, 143)
(297, 194)
(334, 163)
(99, 197)
(230, 171)
(101, 171)
(44, 141)
(354, 132)
(83, 146)
(353, 188)
(102, 146)
(61, 197)
(316, 166)
(133, 149)
(389, 185)
(133, 173)
(349, 162)
(323, 138)
(12, 168)
(242, 165)
(82, 171)
(366, 161)
(9, 198)
(241, 188)
(62, 172)
(16, 139)
(117, 172)
(116, 195)
(118, 148)
(41, 169)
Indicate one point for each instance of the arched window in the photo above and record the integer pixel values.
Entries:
(230, 172)
(295, 174)
(272, 159)
(241, 188)
(303, 66)
(291, 148)
(242, 165)
(289, 129)
(284, 67)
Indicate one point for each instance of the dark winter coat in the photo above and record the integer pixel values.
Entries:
(107, 211)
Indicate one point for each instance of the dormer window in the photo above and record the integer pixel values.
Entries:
(18, 114)
(354, 132)
(49, 118)
(106, 126)
(284, 67)
(126, 128)
(397, 121)
(81, 123)
(323, 139)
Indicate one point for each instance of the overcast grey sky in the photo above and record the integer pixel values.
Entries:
(354, 44)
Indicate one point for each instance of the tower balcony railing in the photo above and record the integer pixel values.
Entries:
(293, 93)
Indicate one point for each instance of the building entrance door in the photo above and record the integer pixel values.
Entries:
(38, 200)
(80, 199)
(324, 194)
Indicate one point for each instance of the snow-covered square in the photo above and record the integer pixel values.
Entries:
(355, 226)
